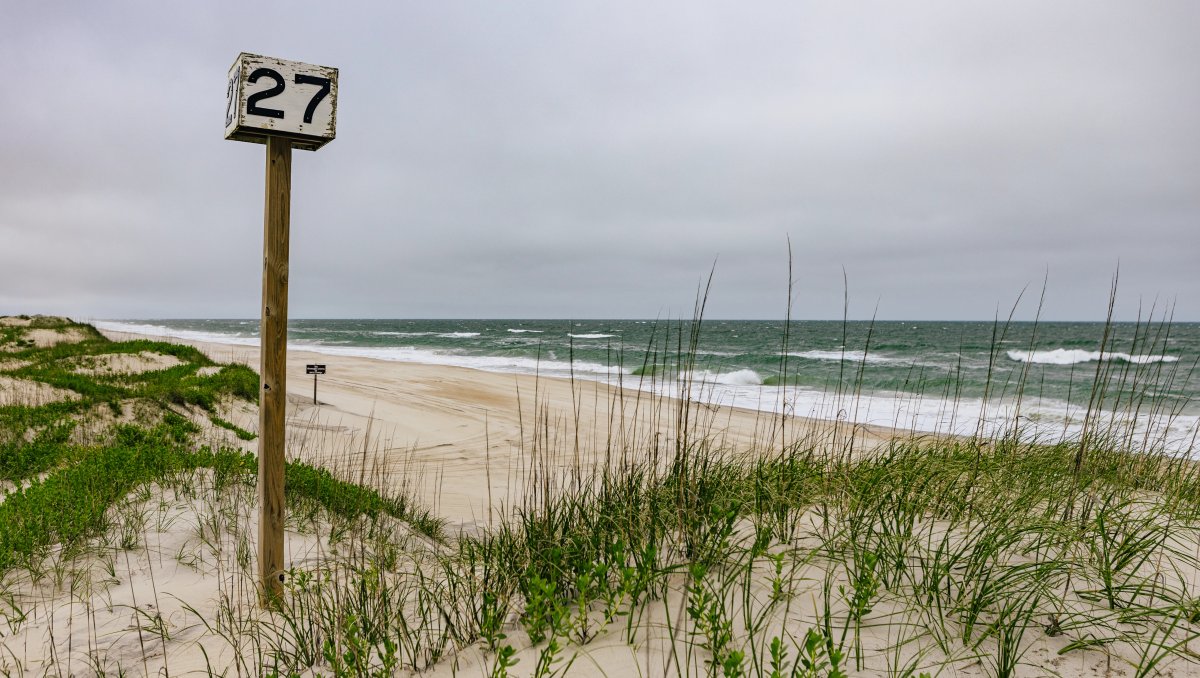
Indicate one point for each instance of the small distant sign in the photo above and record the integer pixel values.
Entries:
(266, 97)
(314, 369)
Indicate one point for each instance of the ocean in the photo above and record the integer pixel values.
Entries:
(950, 377)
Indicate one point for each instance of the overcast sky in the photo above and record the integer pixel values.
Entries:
(592, 159)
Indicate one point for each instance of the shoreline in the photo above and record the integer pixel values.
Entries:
(885, 390)
(463, 439)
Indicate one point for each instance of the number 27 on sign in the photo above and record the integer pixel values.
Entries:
(266, 96)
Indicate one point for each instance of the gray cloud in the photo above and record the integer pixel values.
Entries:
(594, 159)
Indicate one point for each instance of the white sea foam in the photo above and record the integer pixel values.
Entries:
(404, 334)
(591, 336)
(510, 364)
(458, 335)
(735, 378)
(1044, 420)
(516, 331)
(408, 354)
(848, 356)
(1065, 356)
(246, 339)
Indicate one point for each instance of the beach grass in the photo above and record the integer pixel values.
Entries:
(807, 553)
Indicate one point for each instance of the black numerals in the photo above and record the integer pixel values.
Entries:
(252, 101)
(252, 107)
(230, 94)
(321, 93)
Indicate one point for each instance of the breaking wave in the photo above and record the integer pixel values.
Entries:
(735, 378)
(1069, 356)
(848, 356)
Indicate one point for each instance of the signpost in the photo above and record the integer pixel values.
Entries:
(314, 370)
(285, 105)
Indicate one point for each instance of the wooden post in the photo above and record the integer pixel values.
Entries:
(273, 396)
(300, 111)
(314, 388)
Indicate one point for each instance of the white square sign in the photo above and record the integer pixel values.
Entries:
(266, 96)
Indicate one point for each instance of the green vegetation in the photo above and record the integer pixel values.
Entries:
(963, 552)
(66, 488)
(73, 503)
(803, 557)
(58, 366)
(241, 433)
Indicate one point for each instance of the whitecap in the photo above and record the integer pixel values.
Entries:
(848, 356)
(458, 335)
(1067, 356)
(591, 336)
(736, 378)
(516, 331)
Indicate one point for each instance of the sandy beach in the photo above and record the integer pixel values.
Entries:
(443, 431)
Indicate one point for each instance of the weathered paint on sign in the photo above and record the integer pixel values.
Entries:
(266, 96)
